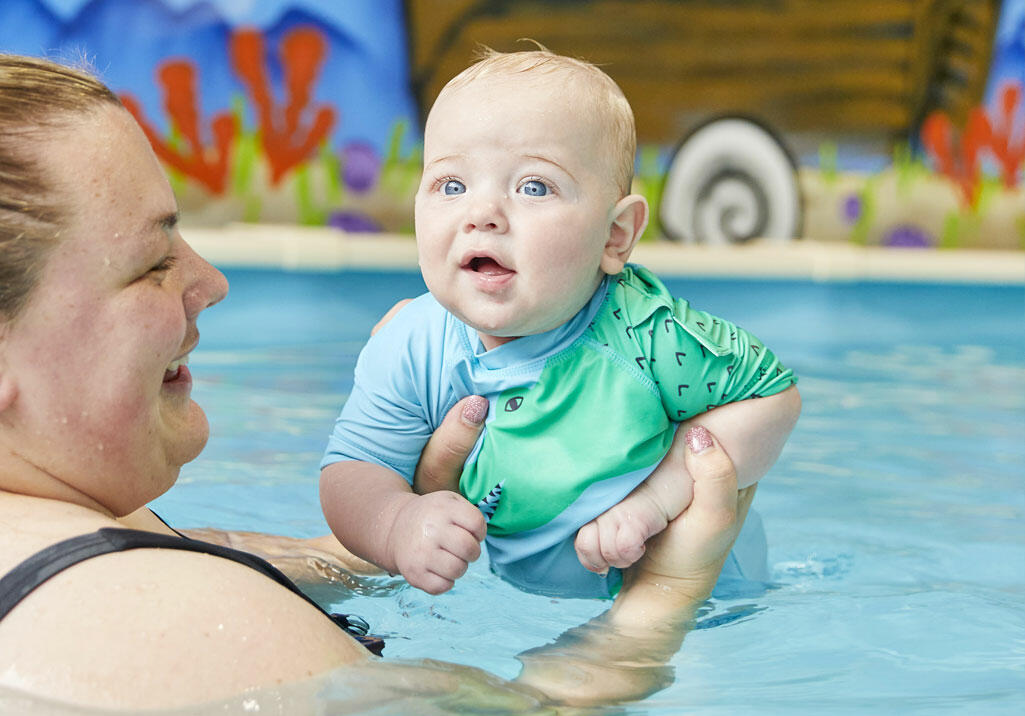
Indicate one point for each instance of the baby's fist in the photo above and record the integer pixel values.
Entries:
(434, 539)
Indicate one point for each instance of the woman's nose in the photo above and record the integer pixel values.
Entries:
(205, 285)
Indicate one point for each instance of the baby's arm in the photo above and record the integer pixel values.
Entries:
(428, 539)
(751, 431)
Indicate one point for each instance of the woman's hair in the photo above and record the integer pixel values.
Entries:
(605, 99)
(37, 97)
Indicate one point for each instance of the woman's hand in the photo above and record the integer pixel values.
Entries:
(390, 314)
(447, 530)
(441, 462)
(623, 654)
(399, 530)
(682, 564)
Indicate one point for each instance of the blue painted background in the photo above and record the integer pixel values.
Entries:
(365, 75)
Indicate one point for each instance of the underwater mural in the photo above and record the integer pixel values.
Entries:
(277, 111)
(884, 122)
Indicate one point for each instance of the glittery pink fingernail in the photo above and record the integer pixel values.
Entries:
(475, 410)
(698, 439)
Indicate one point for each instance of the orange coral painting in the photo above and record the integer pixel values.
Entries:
(286, 143)
(959, 157)
(208, 165)
(286, 140)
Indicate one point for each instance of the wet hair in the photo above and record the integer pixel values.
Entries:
(37, 98)
(606, 100)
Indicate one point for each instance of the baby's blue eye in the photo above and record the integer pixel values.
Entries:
(454, 186)
(534, 188)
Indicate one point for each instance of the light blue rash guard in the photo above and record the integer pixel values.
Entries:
(579, 415)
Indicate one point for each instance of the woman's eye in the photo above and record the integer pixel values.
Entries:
(534, 187)
(165, 265)
(454, 186)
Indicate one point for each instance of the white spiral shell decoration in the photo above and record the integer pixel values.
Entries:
(729, 182)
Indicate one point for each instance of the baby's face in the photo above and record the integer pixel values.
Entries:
(515, 206)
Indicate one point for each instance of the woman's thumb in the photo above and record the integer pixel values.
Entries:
(715, 479)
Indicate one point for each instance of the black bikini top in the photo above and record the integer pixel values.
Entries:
(34, 571)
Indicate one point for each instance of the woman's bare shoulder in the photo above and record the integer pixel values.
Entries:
(30, 524)
(164, 627)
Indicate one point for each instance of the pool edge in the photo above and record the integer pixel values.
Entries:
(299, 248)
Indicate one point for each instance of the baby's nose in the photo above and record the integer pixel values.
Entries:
(487, 216)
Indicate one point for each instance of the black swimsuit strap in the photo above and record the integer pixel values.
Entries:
(180, 534)
(37, 569)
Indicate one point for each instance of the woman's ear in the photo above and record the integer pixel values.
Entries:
(8, 390)
(629, 217)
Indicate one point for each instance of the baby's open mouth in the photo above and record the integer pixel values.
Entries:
(486, 265)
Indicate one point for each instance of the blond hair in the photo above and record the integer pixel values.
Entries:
(37, 97)
(607, 103)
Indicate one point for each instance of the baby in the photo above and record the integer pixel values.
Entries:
(524, 225)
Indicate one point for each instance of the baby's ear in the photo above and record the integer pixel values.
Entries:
(629, 217)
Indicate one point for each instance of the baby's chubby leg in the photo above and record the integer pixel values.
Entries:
(752, 432)
(616, 538)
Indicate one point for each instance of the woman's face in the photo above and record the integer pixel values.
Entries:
(102, 405)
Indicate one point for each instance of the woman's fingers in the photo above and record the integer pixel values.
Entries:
(715, 479)
(700, 538)
(744, 499)
(389, 315)
(441, 461)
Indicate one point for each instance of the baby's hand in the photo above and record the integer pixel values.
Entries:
(616, 537)
(434, 539)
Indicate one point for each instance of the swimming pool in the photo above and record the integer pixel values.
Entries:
(894, 517)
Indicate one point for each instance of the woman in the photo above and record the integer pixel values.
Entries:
(99, 297)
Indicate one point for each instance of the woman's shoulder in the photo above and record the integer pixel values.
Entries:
(31, 524)
(121, 623)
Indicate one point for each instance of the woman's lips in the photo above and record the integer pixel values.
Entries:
(178, 375)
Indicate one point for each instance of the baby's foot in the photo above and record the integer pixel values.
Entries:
(616, 537)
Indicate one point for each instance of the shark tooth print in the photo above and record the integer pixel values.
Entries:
(489, 504)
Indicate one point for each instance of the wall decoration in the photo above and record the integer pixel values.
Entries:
(905, 118)
(730, 181)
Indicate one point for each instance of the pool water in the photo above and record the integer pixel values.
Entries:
(894, 516)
